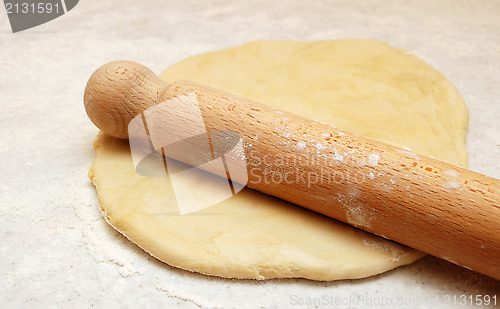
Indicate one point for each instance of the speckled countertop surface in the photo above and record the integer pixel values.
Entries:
(57, 251)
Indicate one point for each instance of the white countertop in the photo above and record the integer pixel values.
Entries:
(57, 251)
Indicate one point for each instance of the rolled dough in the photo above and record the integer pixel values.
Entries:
(363, 86)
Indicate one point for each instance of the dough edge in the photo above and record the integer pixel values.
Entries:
(229, 270)
(151, 244)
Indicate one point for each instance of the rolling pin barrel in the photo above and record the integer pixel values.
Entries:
(432, 206)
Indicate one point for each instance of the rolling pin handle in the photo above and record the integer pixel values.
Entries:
(117, 92)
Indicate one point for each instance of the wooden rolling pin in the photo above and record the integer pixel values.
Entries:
(426, 204)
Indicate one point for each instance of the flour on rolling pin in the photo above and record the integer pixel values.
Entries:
(252, 235)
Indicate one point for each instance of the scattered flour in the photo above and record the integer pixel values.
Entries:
(356, 216)
(355, 212)
(451, 173)
(338, 157)
(452, 185)
(373, 159)
(384, 246)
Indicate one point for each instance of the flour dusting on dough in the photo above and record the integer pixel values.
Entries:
(384, 246)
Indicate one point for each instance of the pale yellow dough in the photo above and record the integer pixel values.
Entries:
(363, 86)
